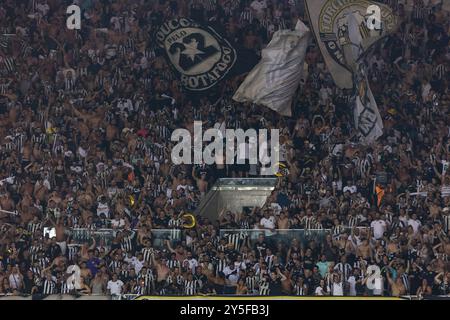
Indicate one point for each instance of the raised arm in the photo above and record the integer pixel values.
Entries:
(169, 246)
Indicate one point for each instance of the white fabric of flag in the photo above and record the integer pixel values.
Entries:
(275, 79)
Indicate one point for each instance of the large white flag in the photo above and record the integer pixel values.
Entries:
(368, 121)
(275, 79)
(330, 20)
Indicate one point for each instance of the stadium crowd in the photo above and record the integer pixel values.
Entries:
(85, 123)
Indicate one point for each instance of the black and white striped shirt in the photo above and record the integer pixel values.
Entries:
(209, 5)
(419, 11)
(4, 87)
(10, 146)
(175, 223)
(344, 269)
(308, 222)
(9, 64)
(127, 243)
(39, 138)
(36, 270)
(147, 253)
(173, 263)
(264, 289)
(115, 265)
(269, 261)
(405, 281)
(236, 239)
(43, 262)
(163, 131)
(246, 15)
(4, 41)
(251, 283)
(123, 275)
(69, 85)
(220, 265)
(190, 287)
(353, 221)
(141, 290)
(72, 251)
(49, 287)
(337, 230)
(359, 264)
(64, 289)
(25, 49)
(446, 219)
(300, 290)
(33, 227)
(440, 71)
(148, 278)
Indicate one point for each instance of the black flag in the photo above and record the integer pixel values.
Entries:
(199, 55)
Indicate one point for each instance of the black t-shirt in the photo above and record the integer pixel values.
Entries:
(275, 287)
(429, 275)
(162, 222)
(202, 278)
(308, 263)
(415, 279)
(310, 285)
(329, 252)
(54, 250)
(260, 248)
(28, 285)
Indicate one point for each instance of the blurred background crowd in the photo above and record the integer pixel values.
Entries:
(85, 123)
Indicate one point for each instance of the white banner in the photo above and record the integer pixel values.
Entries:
(275, 79)
(445, 165)
(368, 121)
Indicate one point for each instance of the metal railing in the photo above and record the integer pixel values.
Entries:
(285, 236)
(106, 236)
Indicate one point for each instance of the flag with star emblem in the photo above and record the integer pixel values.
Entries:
(274, 81)
(197, 53)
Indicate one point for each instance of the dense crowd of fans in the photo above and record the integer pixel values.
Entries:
(85, 123)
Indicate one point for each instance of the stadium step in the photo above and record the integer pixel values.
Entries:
(235, 194)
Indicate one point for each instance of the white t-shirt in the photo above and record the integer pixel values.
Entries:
(233, 278)
(115, 287)
(351, 189)
(117, 223)
(379, 226)
(130, 260)
(337, 289)
(319, 291)
(125, 104)
(43, 8)
(193, 263)
(268, 223)
(103, 208)
(352, 283)
(138, 264)
(415, 224)
(275, 207)
(259, 6)
(14, 280)
(240, 265)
